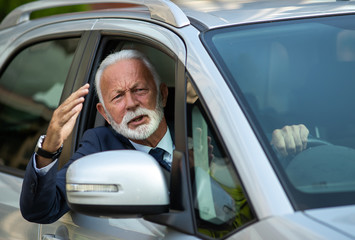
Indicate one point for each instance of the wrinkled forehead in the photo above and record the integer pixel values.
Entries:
(127, 72)
(129, 69)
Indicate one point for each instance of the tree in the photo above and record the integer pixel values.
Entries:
(6, 6)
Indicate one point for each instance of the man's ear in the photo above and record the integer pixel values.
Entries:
(164, 91)
(102, 111)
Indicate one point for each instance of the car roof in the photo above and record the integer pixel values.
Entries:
(179, 13)
(230, 12)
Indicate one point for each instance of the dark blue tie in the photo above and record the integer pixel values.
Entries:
(158, 154)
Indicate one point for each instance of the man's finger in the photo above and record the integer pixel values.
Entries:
(304, 132)
(278, 142)
(287, 134)
(71, 105)
(295, 130)
(78, 94)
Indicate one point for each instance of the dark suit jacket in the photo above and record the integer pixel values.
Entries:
(43, 198)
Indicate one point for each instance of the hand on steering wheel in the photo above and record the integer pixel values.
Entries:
(290, 140)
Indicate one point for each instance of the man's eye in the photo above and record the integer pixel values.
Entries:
(141, 91)
(118, 96)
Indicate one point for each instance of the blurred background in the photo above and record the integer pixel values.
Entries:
(7, 6)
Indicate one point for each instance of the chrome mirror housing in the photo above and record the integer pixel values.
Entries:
(123, 183)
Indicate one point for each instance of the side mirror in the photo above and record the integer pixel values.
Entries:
(123, 183)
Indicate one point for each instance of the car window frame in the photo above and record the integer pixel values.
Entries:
(28, 42)
(12, 49)
(206, 113)
(180, 220)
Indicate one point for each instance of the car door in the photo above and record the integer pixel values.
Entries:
(167, 52)
(37, 68)
(200, 190)
(196, 183)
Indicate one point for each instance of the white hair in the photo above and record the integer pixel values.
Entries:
(123, 55)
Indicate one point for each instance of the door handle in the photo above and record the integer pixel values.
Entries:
(50, 237)
(61, 233)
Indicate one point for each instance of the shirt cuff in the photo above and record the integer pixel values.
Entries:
(42, 171)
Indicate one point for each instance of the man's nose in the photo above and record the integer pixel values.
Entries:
(131, 101)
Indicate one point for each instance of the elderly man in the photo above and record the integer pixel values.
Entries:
(132, 101)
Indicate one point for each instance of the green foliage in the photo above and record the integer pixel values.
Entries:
(7, 6)
(59, 10)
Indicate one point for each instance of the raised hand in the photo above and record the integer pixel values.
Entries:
(62, 123)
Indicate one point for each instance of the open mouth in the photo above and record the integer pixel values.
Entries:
(137, 120)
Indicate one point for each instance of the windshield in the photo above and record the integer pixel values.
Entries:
(298, 72)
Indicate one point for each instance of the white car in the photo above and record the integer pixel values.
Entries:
(236, 71)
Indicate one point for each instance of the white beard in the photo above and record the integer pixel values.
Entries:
(143, 131)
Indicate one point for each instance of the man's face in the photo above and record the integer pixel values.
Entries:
(130, 97)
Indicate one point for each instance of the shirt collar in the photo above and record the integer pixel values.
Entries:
(165, 143)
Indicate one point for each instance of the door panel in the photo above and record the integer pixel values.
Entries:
(12, 224)
(31, 84)
(78, 226)
(155, 42)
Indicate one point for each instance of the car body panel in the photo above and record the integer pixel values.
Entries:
(217, 14)
(10, 217)
(142, 29)
(44, 32)
(296, 227)
(77, 226)
(275, 216)
(340, 218)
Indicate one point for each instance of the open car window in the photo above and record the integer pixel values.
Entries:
(30, 90)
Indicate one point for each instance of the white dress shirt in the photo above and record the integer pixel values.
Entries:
(165, 143)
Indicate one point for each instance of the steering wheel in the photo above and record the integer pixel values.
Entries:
(312, 142)
(315, 142)
(323, 168)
